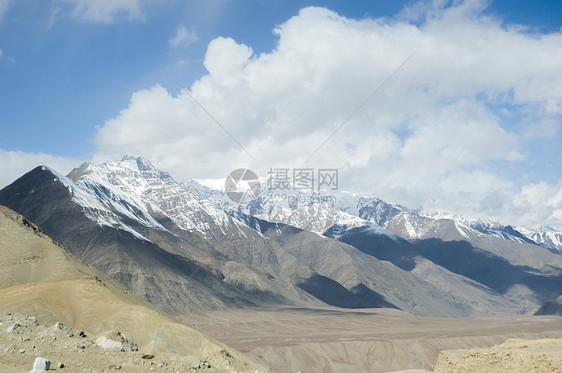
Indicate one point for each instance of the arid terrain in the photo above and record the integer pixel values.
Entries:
(23, 338)
(42, 284)
(333, 340)
(515, 356)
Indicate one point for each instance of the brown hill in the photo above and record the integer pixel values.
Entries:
(41, 278)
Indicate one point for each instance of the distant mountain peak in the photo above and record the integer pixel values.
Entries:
(134, 166)
(79, 172)
(137, 163)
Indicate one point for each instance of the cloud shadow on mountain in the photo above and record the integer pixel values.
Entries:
(487, 268)
(334, 294)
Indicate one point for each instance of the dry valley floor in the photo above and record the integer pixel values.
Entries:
(375, 340)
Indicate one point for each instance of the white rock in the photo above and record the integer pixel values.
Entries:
(108, 344)
(13, 328)
(41, 365)
(116, 340)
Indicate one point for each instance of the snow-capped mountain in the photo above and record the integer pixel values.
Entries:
(372, 209)
(121, 217)
(382, 229)
(189, 246)
(106, 206)
(317, 212)
(134, 187)
(545, 236)
(307, 210)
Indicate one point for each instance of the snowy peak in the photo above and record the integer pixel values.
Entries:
(143, 188)
(133, 188)
(211, 184)
(134, 164)
(135, 172)
(545, 236)
(138, 163)
(101, 205)
(316, 217)
(486, 227)
(378, 211)
(313, 212)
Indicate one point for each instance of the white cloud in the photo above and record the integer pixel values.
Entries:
(4, 6)
(183, 37)
(426, 138)
(106, 11)
(1, 52)
(17, 163)
(532, 205)
(541, 202)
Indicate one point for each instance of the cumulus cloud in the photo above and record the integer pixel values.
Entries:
(541, 201)
(183, 37)
(17, 163)
(533, 204)
(427, 138)
(106, 11)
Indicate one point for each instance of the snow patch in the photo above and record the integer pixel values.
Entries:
(215, 184)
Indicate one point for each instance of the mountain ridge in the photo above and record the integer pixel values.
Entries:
(380, 212)
(187, 248)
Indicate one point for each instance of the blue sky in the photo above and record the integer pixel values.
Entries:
(77, 80)
(69, 75)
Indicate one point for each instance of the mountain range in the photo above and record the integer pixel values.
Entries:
(189, 248)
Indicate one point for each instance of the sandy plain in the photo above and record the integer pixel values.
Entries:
(331, 340)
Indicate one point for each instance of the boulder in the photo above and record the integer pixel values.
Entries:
(118, 341)
(13, 328)
(41, 365)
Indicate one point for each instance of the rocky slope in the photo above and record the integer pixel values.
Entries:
(514, 355)
(552, 307)
(39, 277)
(23, 339)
